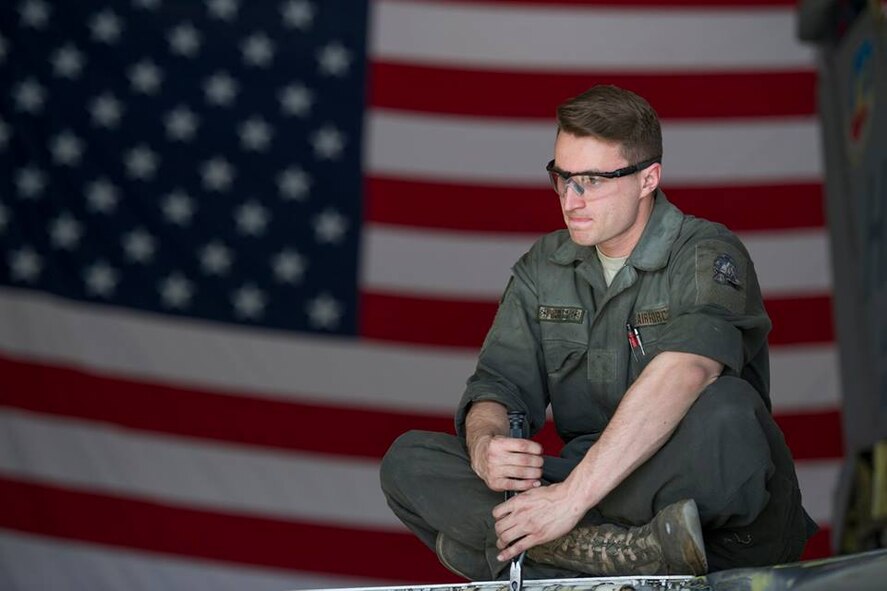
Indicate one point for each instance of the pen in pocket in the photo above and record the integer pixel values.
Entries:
(634, 341)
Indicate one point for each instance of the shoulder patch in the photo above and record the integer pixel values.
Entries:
(725, 270)
(560, 314)
(721, 274)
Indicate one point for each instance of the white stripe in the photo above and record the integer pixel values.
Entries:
(804, 378)
(99, 458)
(818, 481)
(156, 348)
(512, 152)
(586, 38)
(193, 473)
(35, 563)
(149, 347)
(475, 265)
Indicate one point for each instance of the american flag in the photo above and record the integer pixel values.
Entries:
(247, 244)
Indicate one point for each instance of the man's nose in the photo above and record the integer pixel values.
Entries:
(572, 196)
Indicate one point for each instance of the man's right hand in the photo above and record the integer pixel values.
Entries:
(506, 463)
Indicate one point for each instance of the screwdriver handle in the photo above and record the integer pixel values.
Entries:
(516, 419)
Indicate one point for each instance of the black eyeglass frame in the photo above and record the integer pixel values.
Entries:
(613, 174)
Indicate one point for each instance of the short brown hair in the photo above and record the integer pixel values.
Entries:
(614, 114)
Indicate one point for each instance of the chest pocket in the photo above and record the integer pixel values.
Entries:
(650, 336)
(565, 348)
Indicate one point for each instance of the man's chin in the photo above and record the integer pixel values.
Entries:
(581, 238)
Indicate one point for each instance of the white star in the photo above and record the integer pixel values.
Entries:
(176, 291)
(330, 226)
(181, 124)
(220, 89)
(101, 279)
(184, 40)
(334, 59)
(67, 62)
(178, 208)
(4, 218)
(225, 10)
(34, 13)
(328, 143)
(293, 184)
(217, 174)
(296, 99)
(215, 258)
(65, 231)
(4, 134)
(106, 27)
(139, 246)
(298, 14)
(106, 110)
(30, 182)
(324, 312)
(251, 218)
(29, 96)
(25, 264)
(249, 302)
(145, 77)
(67, 149)
(289, 266)
(258, 50)
(102, 196)
(255, 134)
(141, 163)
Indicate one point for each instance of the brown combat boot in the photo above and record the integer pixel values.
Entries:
(671, 544)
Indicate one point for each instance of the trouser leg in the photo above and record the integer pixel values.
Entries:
(429, 484)
(728, 455)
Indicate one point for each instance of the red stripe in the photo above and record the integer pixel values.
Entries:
(813, 435)
(201, 414)
(674, 95)
(801, 320)
(129, 523)
(463, 323)
(819, 546)
(246, 420)
(499, 208)
(114, 521)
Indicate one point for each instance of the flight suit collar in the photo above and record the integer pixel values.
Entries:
(652, 250)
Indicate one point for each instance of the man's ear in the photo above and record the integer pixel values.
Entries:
(650, 179)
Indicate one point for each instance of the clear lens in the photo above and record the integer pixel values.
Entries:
(557, 183)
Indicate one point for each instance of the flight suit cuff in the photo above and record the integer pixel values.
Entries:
(705, 335)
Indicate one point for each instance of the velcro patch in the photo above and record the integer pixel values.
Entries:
(601, 365)
(721, 272)
(651, 317)
(560, 314)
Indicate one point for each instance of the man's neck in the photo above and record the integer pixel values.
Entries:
(622, 246)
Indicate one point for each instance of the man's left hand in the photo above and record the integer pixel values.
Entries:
(535, 517)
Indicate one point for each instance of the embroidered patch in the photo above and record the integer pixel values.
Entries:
(560, 314)
(725, 271)
(651, 317)
(722, 273)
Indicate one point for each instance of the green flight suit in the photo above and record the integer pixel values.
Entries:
(559, 339)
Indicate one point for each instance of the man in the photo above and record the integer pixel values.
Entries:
(645, 331)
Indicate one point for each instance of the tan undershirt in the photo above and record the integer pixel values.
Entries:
(611, 265)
